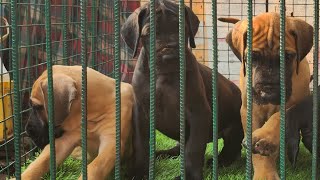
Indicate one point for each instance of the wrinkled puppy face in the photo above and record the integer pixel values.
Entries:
(266, 76)
(64, 92)
(137, 28)
(266, 55)
(167, 35)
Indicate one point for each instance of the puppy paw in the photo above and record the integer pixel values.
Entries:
(264, 143)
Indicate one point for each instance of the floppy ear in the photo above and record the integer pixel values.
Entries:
(303, 33)
(237, 41)
(131, 29)
(64, 92)
(193, 25)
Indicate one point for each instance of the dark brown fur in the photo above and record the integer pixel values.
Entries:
(198, 99)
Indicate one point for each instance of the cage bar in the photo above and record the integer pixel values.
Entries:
(182, 76)
(214, 91)
(50, 90)
(282, 91)
(249, 93)
(315, 132)
(16, 89)
(118, 81)
(152, 89)
(84, 57)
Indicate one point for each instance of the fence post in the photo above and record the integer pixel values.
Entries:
(64, 32)
(50, 90)
(249, 93)
(315, 90)
(152, 89)
(282, 91)
(118, 83)
(83, 27)
(16, 89)
(182, 85)
(214, 90)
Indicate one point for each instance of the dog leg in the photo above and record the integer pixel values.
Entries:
(266, 140)
(173, 152)
(63, 146)
(232, 147)
(196, 142)
(104, 162)
(265, 167)
(257, 123)
(138, 168)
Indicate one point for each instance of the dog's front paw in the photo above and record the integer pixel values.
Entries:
(264, 143)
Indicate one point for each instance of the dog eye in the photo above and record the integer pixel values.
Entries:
(290, 56)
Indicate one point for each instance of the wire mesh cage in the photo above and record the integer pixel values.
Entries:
(66, 50)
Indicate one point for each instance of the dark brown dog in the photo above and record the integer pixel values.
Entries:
(299, 122)
(198, 102)
(266, 81)
(67, 119)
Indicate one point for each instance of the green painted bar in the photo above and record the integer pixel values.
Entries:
(64, 33)
(182, 75)
(214, 90)
(83, 29)
(50, 90)
(152, 89)
(16, 89)
(249, 93)
(118, 83)
(93, 33)
(282, 92)
(315, 132)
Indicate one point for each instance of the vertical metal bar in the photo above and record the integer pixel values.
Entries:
(214, 90)
(16, 89)
(267, 5)
(118, 83)
(249, 93)
(93, 33)
(282, 91)
(152, 88)
(64, 33)
(50, 90)
(83, 29)
(315, 132)
(182, 85)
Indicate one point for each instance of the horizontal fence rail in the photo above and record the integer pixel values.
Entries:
(89, 31)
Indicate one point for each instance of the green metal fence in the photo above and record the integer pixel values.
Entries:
(26, 57)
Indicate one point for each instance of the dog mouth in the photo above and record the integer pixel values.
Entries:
(168, 53)
(268, 90)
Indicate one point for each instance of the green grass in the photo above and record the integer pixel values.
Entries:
(168, 168)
